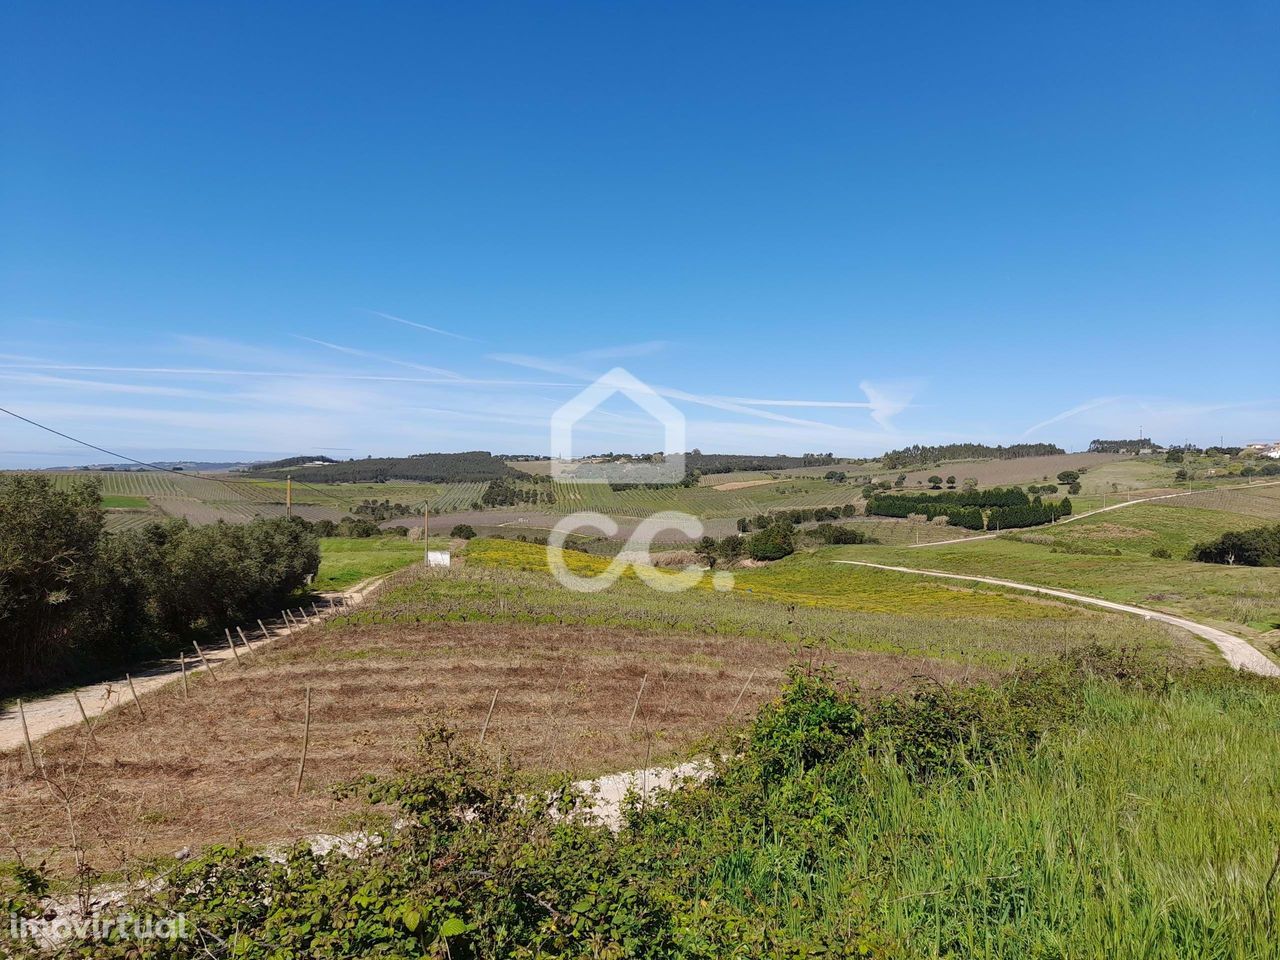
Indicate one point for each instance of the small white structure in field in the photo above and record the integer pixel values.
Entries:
(437, 558)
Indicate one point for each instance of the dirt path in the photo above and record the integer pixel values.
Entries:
(1239, 653)
(58, 710)
(1094, 513)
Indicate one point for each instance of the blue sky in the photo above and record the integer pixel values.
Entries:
(995, 222)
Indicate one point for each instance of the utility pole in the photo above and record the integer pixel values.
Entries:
(288, 495)
(426, 545)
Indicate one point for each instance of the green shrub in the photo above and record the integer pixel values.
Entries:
(772, 543)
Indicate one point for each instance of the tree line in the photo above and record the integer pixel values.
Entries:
(75, 600)
(741, 462)
(762, 521)
(919, 455)
(998, 508)
(504, 492)
(1123, 446)
(470, 467)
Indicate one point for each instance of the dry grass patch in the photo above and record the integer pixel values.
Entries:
(222, 765)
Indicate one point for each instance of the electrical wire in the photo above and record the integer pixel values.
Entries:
(155, 466)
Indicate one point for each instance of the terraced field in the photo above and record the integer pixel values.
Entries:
(705, 501)
(210, 498)
(1260, 503)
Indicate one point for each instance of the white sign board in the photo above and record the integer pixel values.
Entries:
(437, 558)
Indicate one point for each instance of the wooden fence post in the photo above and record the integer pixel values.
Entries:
(182, 662)
(734, 709)
(485, 728)
(136, 702)
(288, 624)
(26, 735)
(245, 640)
(232, 644)
(265, 634)
(639, 694)
(207, 665)
(85, 717)
(306, 742)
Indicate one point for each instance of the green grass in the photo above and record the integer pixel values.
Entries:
(801, 601)
(1243, 596)
(1145, 527)
(1145, 827)
(120, 502)
(345, 561)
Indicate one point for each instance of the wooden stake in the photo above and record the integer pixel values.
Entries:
(207, 665)
(26, 735)
(315, 611)
(639, 694)
(306, 742)
(303, 618)
(182, 662)
(288, 624)
(245, 640)
(85, 717)
(136, 701)
(750, 677)
(232, 644)
(265, 634)
(485, 728)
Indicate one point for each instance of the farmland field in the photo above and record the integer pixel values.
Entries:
(804, 598)
(994, 473)
(1236, 597)
(346, 561)
(1169, 525)
(438, 642)
(705, 501)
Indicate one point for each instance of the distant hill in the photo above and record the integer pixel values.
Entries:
(917, 455)
(734, 462)
(290, 462)
(470, 467)
(194, 466)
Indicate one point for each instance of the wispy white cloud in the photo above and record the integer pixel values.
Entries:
(624, 351)
(423, 326)
(365, 354)
(883, 400)
(1075, 411)
(216, 372)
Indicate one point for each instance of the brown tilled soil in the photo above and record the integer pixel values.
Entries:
(222, 764)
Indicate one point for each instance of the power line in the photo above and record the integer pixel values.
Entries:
(121, 456)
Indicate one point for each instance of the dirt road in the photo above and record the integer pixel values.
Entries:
(1239, 653)
(58, 710)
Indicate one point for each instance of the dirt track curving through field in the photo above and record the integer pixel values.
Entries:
(1239, 653)
(1094, 513)
(59, 710)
